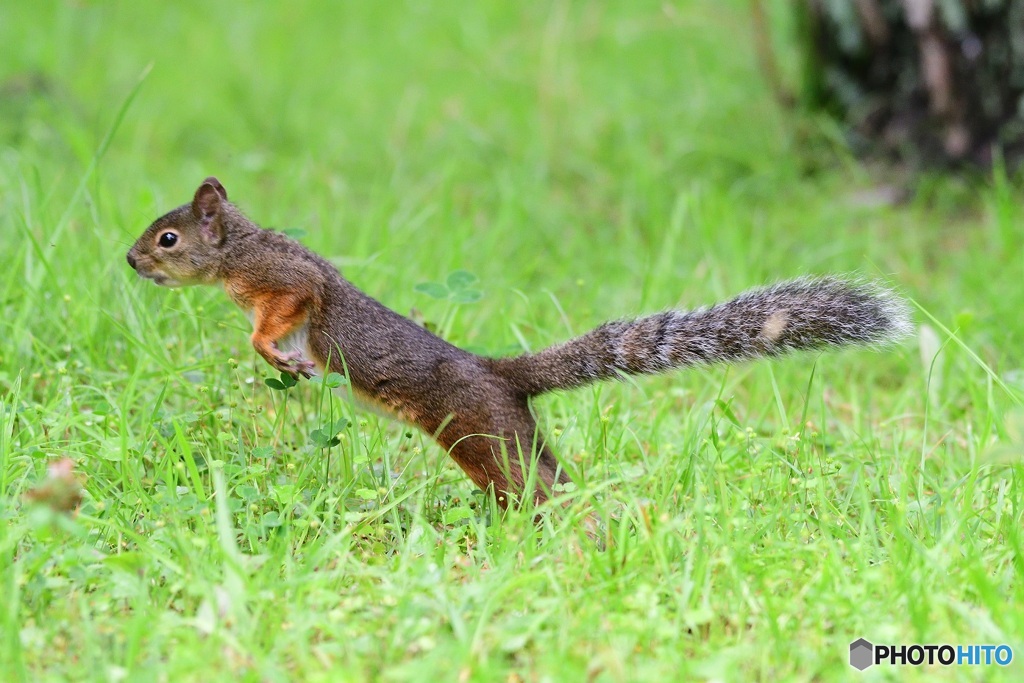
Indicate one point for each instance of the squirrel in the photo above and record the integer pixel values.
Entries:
(308, 319)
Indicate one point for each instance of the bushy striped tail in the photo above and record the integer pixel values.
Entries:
(798, 315)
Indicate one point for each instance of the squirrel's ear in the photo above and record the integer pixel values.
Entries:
(217, 186)
(206, 207)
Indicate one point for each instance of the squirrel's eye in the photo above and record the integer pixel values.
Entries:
(168, 240)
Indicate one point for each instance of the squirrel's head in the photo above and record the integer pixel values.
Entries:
(185, 247)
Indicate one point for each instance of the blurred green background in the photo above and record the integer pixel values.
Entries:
(585, 161)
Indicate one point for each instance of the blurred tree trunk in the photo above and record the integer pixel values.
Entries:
(929, 82)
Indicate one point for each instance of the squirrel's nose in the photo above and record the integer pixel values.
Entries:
(131, 260)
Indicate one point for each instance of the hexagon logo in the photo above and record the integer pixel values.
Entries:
(861, 654)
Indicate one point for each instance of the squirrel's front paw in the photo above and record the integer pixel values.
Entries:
(294, 364)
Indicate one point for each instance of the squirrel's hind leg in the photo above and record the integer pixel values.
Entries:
(506, 464)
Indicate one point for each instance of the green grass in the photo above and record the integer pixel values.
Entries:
(584, 161)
